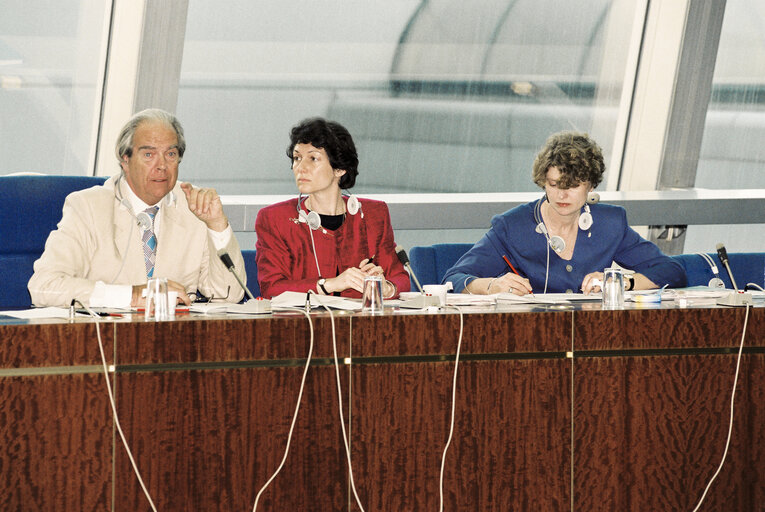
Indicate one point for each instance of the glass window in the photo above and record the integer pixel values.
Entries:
(733, 146)
(52, 56)
(440, 95)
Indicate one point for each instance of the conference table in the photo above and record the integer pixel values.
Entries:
(558, 407)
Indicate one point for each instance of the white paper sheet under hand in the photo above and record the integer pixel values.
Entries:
(547, 298)
(291, 300)
(466, 299)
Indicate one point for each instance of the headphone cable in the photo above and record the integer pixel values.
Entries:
(340, 406)
(451, 423)
(95, 317)
(295, 414)
(730, 424)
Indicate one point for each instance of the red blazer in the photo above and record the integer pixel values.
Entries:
(285, 256)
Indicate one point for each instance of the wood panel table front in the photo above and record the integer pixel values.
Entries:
(577, 409)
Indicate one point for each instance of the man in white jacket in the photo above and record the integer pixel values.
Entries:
(141, 223)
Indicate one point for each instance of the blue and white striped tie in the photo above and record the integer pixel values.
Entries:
(150, 242)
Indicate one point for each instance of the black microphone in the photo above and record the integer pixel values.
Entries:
(226, 259)
(722, 254)
(404, 259)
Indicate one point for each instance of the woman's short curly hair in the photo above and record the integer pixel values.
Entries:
(333, 138)
(577, 157)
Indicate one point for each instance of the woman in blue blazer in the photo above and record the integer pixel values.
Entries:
(562, 241)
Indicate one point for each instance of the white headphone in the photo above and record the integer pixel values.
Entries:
(585, 218)
(557, 243)
(143, 219)
(715, 282)
(585, 221)
(353, 206)
(313, 220)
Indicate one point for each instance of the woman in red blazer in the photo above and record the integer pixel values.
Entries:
(323, 240)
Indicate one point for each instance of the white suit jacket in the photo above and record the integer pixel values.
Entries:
(98, 239)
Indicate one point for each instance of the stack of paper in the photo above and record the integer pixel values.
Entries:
(547, 298)
(291, 300)
(465, 299)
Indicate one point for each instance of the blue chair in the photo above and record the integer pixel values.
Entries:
(252, 272)
(747, 267)
(30, 208)
(431, 262)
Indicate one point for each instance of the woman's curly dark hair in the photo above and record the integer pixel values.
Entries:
(333, 138)
(577, 157)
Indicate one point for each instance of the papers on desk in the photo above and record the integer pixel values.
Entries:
(49, 312)
(547, 298)
(291, 300)
(417, 300)
(465, 299)
(700, 292)
(251, 307)
(209, 308)
(58, 312)
(462, 299)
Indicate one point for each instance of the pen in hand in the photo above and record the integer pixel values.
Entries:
(510, 265)
(513, 269)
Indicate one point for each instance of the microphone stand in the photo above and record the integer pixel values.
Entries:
(420, 301)
(735, 298)
(252, 306)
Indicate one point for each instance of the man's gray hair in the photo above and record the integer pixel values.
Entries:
(125, 140)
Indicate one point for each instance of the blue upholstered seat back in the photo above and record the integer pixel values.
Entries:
(747, 267)
(252, 272)
(30, 208)
(431, 262)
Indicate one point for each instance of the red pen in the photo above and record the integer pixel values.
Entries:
(513, 269)
(510, 265)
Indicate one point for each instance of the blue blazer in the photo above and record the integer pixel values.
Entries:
(513, 234)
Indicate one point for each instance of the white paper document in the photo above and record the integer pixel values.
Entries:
(291, 300)
(466, 299)
(547, 298)
(251, 307)
(49, 312)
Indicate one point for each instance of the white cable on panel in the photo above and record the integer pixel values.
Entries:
(730, 424)
(294, 416)
(114, 407)
(451, 425)
(340, 406)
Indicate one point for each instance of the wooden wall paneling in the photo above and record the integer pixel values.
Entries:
(512, 434)
(666, 328)
(651, 408)
(199, 339)
(210, 438)
(55, 426)
(56, 434)
(510, 449)
(43, 345)
(484, 333)
(740, 484)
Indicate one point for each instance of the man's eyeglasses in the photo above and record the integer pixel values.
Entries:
(199, 298)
